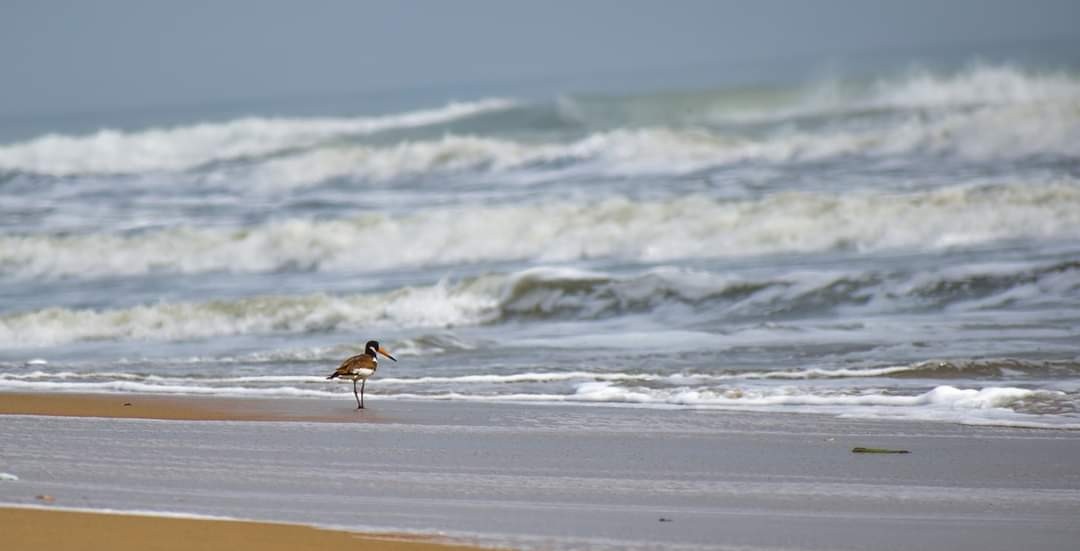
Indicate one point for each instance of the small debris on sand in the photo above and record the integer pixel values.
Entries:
(8, 476)
(877, 450)
(46, 498)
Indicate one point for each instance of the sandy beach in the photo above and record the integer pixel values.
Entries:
(535, 476)
(73, 531)
(754, 276)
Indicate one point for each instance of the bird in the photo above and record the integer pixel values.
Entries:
(360, 367)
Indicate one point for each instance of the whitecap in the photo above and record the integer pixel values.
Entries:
(186, 147)
(619, 228)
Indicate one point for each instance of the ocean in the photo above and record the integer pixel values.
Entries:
(898, 246)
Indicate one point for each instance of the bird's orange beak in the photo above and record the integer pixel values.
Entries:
(385, 353)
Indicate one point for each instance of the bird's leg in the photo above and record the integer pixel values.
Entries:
(359, 404)
(362, 385)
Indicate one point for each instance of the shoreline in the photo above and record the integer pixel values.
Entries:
(194, 407)
(44, 528)
(527, 475)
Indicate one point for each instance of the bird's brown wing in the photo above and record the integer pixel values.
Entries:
(362, 361)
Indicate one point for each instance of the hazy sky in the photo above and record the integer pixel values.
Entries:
(72, 56)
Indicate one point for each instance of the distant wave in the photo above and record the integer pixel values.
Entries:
(984, 113)
(979, 85)
(618, 228)
(546, 294)
(186, 147)
(1013, 132)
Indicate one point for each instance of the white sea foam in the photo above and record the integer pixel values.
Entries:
(107, 511)
(185, 147)
(650, 231)
(66, 375)
(984, 406)
(153, 388)
(979, 85)
(941, 396)
(527, 377)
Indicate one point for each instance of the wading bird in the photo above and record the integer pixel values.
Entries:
(360, 367)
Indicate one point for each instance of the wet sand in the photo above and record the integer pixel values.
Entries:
(552, 477)
(44, 530)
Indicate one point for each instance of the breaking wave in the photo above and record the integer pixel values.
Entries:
(979, 85)
(434, 306)
(186, 147)
(547, 294)
(1014, 132)
(616, 228)
(987, 368)
(985, 112)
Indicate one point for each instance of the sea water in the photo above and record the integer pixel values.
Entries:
(905, 245)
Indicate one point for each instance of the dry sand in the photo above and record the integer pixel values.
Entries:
(186, 408)
(39, 529)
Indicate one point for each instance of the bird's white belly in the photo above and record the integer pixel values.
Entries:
(361, 372)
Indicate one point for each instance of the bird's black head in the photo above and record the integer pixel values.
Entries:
(373, 346)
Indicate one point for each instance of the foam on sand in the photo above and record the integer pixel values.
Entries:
(991, 368)
(997, 406)
(867, 394)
